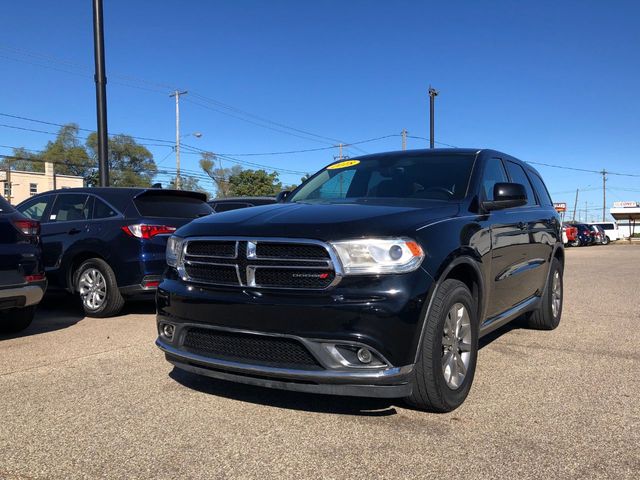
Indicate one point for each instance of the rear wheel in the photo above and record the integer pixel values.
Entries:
(606, 240)
(547, 316)
(98, 289)
(447, 355)
(16, 320)
(576, 242)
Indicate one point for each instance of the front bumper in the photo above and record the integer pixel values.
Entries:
(386, 382)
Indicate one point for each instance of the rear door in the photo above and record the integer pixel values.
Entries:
(67, 223)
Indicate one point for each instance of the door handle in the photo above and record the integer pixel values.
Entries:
(73, 231)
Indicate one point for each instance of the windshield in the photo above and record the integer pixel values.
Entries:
(434, 177)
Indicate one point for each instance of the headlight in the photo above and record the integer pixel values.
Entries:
(396, 255)
(174, 250)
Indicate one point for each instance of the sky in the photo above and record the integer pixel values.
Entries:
(545, 81)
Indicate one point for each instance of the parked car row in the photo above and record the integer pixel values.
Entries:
(584, 234)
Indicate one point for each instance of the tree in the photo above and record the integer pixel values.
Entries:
(130, 164)
(24, 160)
(68, 154)
(254, 182)
(293, 186)
(189, 183)
(218, 174)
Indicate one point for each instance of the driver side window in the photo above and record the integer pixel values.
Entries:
(493, 173)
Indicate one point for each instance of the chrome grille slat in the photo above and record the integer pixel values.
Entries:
(285, 271)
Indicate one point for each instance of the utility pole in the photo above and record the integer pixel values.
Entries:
(177, 94)
(604, 195)
(101, 94)
(404, 138)
(575, 205)
(586, 210)
(340, 154)
(433, 93)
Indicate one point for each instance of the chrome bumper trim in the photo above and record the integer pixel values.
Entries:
(31, 293)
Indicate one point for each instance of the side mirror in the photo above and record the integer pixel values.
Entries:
(506, 195)
(282, 195)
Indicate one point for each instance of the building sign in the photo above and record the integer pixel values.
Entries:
(560, 207)
(626, 204)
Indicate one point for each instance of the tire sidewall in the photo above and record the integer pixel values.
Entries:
(454, 398)
(555, 267)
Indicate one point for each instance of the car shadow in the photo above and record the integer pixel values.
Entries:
(55, 312)
(515, 324)
(308, 402)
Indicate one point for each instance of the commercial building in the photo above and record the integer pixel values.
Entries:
(16, 186)
(627, 215)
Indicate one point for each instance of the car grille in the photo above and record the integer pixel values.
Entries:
(290, 264)
(252, 349)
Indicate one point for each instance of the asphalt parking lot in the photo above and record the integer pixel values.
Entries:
(89, 398)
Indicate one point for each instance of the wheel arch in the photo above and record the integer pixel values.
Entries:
(465, 269)
(73, 265)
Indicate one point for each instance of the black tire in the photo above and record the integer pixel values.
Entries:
(576, 243)
(606, 241)
(430, 389)
(16, 320)
(113, 301)
(544, 317)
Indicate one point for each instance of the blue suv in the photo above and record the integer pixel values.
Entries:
(107, 244)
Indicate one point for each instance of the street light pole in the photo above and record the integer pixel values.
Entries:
(433, 93)
(101, 94)
(177, 94)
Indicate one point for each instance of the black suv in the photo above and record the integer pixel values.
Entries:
(107, 244)
(22, 280)
(375, 277)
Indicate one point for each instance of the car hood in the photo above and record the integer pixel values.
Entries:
(323, 221)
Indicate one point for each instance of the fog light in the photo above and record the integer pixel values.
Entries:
(167, 330)
(364, 355)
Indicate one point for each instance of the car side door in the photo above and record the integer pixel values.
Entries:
(535, 249)
(67, 224)
(509, 241)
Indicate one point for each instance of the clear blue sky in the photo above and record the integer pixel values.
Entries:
(553, 82)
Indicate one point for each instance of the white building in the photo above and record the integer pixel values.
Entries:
(627, 216)
(16, 186)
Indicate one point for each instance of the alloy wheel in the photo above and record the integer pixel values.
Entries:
(456, 345)
(556, 294)
(93, 288)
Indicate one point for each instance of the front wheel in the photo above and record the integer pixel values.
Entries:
(606, 241)
(576, 243)
(448, 352)
(96, 283)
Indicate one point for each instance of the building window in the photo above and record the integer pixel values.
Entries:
(33, 189)
(7, 190)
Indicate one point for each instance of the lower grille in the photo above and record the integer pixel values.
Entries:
(251, 349)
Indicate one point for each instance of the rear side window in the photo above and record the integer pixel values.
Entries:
(516, 172)
(172, 206)
(102, 210)
(70, 207)
(493, 173)
(34, 209)
(608, 226)
(541, 189)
